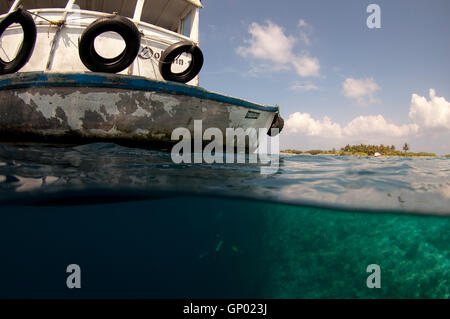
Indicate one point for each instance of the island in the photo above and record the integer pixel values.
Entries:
(364, 150)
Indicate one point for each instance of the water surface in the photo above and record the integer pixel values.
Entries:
(140, 226)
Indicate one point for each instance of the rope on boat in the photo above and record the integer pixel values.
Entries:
(57, 23)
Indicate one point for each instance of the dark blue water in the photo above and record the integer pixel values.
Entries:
(140, 226)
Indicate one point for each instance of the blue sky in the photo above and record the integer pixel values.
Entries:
(336, 80)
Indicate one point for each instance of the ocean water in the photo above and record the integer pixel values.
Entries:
(140, 226)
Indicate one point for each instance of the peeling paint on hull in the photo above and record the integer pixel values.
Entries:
(77, 112)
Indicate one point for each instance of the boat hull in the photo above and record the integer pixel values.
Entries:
(76, 108)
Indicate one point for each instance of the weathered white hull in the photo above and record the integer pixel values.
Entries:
(76, 108)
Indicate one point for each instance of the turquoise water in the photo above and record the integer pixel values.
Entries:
(140, 226)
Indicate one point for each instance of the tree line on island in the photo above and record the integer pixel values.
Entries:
(364, 150)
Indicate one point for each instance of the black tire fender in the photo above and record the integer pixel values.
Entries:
(29, 40)
(278, 123)
(121, 25)
(172, 52)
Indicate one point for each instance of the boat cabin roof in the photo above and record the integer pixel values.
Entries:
(162, 13)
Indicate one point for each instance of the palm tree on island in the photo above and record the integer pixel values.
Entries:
(406, 148)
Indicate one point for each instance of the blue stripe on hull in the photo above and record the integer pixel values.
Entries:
(119, 81)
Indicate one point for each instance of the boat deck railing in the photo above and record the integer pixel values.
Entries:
(88, 16)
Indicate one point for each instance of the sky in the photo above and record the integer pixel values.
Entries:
(337, 81)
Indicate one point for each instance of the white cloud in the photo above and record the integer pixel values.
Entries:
(372, 126)
(376, 125)
(305, 31)
(427, 116)
(433, 114)
(302, 23)
(306, 66)
(304, 124)
(269, 42)
(298, 86)
(360, 90)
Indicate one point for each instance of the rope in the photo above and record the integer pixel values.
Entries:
(58, 23)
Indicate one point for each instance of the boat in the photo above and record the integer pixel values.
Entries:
(80, 71)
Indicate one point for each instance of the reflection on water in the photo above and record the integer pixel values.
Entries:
(24, 184)
(405, 184)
